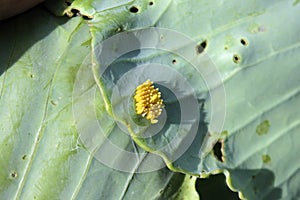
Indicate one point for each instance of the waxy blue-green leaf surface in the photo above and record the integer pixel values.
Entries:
(253, 44)
(41, 153)
(261, 88)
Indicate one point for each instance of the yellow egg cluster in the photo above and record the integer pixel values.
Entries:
(148, 101)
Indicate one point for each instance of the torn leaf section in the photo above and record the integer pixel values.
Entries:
(180, 187)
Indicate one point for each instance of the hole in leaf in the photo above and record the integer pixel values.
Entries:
(217, 150)
(24, 157)
(201, 47)
(86, 17)
(75, 12)
(68, 3)
(244, 42)
(174, 61)
(151, 3)
(133, 9)
(236, 58)
(14, 174)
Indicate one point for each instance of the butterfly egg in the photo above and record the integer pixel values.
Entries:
(148, 102)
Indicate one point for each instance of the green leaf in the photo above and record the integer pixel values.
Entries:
(42, 156)
(246, 47)
(49, 66)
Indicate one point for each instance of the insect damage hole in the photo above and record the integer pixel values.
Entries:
(236, 58)
(151, 3)
(133, 9)
(217, 151)
(24, 157)
(13, 174)
(75, 12)
(244, 41)
(68, 3)
(201, 47)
